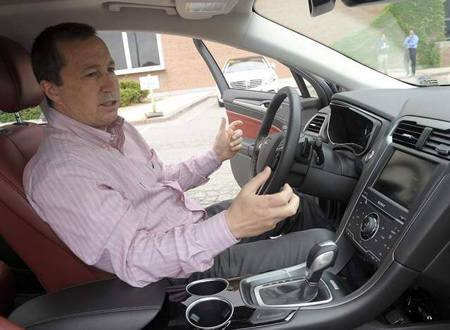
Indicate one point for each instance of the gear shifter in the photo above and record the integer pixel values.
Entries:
(320, 257)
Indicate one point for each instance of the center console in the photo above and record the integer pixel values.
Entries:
(397, 189)
(271, 298)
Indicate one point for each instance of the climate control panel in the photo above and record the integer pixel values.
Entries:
(373, 230)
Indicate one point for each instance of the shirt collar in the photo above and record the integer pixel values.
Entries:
(108, 138)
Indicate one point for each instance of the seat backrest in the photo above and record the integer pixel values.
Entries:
(32, 239)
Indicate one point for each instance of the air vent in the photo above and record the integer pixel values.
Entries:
(316, 124)
(408, 133)
(438, 143)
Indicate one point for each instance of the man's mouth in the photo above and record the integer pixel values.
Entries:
(109, 103)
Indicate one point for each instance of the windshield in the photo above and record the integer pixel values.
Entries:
(245, 64)
(406, 40)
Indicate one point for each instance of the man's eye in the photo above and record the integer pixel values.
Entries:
(91, 74)
(111, 70)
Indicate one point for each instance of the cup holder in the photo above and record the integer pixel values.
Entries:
(210, 313)
(207, 286)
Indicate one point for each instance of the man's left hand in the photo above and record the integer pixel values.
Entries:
(228, 140)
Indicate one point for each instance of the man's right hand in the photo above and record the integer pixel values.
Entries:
(252, 214)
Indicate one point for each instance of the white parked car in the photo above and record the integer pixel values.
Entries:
(252, 73)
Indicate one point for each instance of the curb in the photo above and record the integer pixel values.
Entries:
(174, 115)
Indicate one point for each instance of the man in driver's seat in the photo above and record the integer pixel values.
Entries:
(108, 196)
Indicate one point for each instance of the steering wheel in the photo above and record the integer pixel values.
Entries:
(277, 150)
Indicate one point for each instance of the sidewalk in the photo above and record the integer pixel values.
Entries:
(171, 107)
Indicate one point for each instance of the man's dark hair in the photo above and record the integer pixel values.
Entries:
(45, 58)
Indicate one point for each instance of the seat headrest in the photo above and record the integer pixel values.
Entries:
(18, 86)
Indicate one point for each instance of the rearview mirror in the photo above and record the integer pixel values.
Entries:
(320, 7)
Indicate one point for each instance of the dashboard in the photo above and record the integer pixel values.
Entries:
(398, 208)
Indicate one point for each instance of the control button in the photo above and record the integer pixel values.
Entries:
(369, 226)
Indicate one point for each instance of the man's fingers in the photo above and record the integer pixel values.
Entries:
(280, 199)
(235, 142)
(285, 195)
(236, 148)
(223, 123)
(235, 124)
(294, 203)
(288, 209)
(253, 185)
(237, 134)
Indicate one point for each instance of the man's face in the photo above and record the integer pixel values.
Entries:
(411, 32)
(90, 89)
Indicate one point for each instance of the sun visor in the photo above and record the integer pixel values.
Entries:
(196, 9)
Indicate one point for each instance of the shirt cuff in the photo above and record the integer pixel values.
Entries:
(216, 234)
(210, 162)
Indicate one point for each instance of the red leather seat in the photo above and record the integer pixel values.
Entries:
(8, 325)
(32, 239)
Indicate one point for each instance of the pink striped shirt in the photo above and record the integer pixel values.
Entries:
(117, 207)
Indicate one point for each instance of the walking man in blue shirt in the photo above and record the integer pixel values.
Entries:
(411, 42)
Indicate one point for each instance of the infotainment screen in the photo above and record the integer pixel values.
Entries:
(404, 177)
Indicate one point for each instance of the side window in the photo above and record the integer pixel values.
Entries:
(134, 52)
(251, 71)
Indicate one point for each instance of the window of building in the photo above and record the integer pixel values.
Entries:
(134, 52)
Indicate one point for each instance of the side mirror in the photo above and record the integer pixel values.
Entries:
(320, 7)
(273, 65)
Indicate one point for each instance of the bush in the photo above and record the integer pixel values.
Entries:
(129, 97)
(131, 93)
(27, 114)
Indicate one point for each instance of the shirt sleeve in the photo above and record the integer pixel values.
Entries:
(193, 172)
(100, 225)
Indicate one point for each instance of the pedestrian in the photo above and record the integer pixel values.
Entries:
(411, 42)
(383, 49)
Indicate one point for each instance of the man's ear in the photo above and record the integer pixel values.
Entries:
(51, 91)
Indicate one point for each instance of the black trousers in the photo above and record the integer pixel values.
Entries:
(263, 253)
(412, 57)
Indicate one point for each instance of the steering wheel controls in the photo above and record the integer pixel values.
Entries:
(317, 146)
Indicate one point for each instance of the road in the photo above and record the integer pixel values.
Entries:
(188, 135)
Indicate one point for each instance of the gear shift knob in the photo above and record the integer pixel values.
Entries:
(320, 257)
